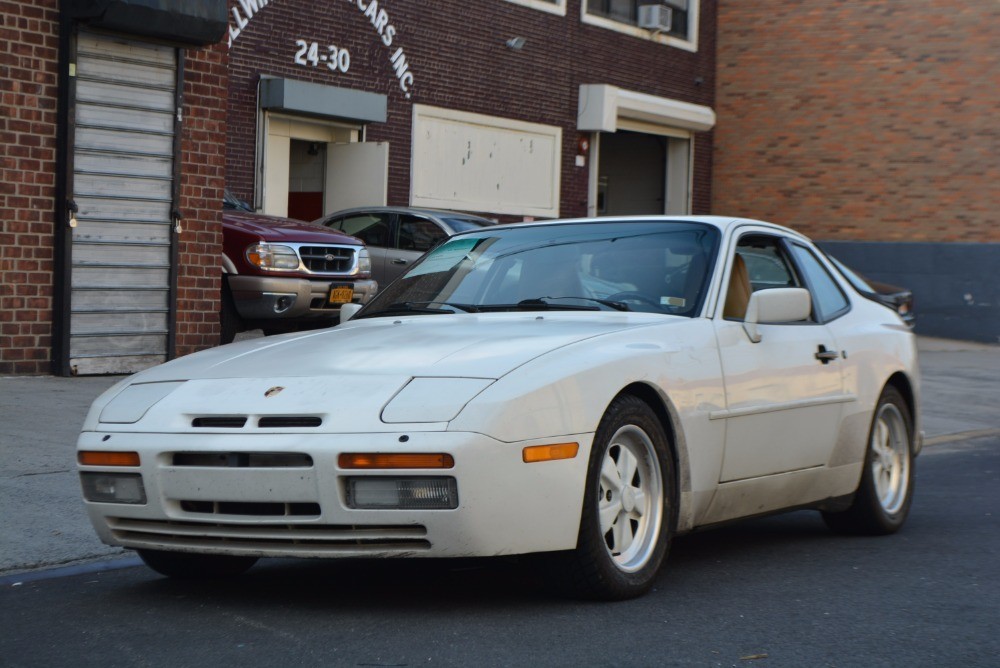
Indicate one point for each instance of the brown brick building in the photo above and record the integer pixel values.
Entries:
(868, 125)
(871, 125)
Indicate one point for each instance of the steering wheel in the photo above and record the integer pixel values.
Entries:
(631, 295)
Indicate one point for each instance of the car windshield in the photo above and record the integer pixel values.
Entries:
(634, 265)
(232, 202)
(463, 224)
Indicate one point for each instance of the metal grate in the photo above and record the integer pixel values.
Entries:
(289, 421)
(261, 460)
(228, 422)
(327, 259)
(252, 508)
(280, 539)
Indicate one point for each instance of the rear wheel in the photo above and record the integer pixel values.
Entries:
(882, 500)
(628, 507)
(190, 566)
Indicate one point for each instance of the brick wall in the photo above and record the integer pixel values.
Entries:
(28, 93)
(29, 54)
(457, 53)
(868, 120)
(202, 183)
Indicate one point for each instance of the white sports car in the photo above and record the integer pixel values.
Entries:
(585, 388)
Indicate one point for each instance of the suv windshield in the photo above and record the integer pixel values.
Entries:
(652, 266)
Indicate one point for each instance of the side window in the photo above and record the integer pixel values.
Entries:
(759, 264)
(828, 299)
(418, 234)
(371, 228)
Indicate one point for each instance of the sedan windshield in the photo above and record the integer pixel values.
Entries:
(651, 266)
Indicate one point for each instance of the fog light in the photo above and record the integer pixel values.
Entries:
(113, 488)
(402, 493)
(283, 303)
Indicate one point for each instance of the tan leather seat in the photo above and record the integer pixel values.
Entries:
(738, 294)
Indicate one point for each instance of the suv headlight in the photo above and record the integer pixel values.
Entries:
(272, 256)
(364, 262)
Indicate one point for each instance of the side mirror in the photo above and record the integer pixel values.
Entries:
(347, 311)
(776, 305)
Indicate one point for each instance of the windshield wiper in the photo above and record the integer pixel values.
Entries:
(540, 304)
(421, 307)
(618, 306)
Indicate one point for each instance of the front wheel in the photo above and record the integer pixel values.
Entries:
(882, 500)
(190, 566)
(629, 510)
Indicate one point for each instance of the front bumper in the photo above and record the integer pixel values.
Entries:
(270, 298)
(504, 505)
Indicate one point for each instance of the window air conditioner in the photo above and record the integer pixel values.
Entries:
(656, 17)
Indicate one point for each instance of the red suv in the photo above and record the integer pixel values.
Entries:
(281, 274)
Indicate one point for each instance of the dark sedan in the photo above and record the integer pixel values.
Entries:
(898, 299)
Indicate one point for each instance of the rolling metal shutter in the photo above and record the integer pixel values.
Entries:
(123, 169)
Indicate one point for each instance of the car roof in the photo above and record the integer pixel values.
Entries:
(419, 211)
(723, 223)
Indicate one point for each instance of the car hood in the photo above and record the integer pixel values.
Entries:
(350, 373)
(274, 228)
(465, 345)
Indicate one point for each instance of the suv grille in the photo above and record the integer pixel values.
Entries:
(327, 259)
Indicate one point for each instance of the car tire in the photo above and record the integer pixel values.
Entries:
(190, 566)
(629, 506)
(230, 323)
(885, 492)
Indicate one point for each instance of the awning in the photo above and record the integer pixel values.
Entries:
(194, 22)
(601, 106)
(321, 101)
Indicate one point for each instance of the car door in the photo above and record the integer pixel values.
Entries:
(374, 229)
(784, 394)
(414, 236)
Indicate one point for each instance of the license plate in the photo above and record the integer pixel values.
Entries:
(340, 294)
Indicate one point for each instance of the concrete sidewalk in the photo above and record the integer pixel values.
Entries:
(44, 523)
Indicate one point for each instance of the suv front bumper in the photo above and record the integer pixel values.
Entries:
(278, 298)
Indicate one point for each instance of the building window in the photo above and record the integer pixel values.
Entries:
(551, 6)
(671, 22)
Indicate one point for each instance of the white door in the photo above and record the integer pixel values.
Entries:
(357, 174)
(123, 149)
(784, 394)
(783, 404)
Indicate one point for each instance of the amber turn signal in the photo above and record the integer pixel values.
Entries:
(546, 453)
(95, 458)
(359, 460)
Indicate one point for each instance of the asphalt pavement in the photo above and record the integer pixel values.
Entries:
(44, 524)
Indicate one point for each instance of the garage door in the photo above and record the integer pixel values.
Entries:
(123, 152)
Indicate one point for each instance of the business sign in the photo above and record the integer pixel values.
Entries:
(325, 53)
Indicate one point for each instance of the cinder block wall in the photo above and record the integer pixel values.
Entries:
(872, 121)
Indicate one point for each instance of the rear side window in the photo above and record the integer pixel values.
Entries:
(828, 299)
(418, 234)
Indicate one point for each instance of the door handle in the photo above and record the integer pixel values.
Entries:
(825, 356)
(399, 260)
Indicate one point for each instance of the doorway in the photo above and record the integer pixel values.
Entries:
(640, 173)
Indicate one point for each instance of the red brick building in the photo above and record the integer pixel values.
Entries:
(112, 120)
(871, 125)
